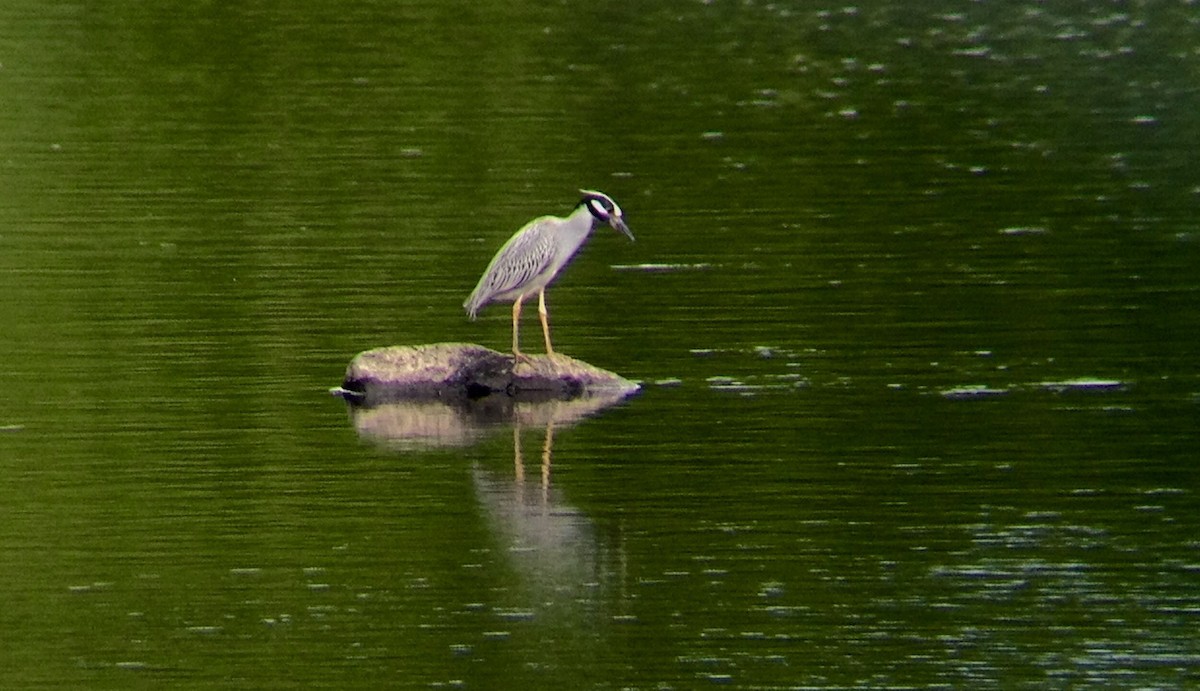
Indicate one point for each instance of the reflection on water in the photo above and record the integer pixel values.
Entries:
(426, 424)
(562, 576)
(552, 546)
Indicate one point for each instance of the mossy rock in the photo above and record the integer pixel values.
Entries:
(465, 372)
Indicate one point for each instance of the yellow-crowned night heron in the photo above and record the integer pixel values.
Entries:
(536, 254)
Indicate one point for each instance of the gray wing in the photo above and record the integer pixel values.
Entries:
(523, 258)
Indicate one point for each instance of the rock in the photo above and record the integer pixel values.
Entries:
(452, 372)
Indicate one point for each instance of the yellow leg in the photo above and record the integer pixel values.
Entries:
(545, 316)
(516, 328)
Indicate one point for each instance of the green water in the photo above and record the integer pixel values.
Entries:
(915, 302)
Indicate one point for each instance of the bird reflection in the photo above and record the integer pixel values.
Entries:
(566, 566)
(562, 559)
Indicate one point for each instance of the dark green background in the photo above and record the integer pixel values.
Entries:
(929, 296)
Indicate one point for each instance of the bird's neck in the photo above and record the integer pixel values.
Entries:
(581, 219)
(574, 231)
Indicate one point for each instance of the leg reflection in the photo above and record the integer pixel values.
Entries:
(546, 447)
(519, 460)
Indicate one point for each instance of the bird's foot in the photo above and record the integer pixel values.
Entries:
(520, 358)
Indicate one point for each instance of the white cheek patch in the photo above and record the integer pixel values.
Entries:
(597, 210)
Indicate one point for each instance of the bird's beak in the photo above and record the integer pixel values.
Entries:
(619, 224)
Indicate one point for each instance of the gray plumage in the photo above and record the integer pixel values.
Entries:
(537, 253)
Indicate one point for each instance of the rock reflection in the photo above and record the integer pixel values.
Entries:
(427, 424)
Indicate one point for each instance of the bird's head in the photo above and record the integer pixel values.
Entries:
(604, 209)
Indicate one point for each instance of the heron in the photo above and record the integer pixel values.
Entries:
(535, 255)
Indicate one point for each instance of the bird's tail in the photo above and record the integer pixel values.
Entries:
(472, 306)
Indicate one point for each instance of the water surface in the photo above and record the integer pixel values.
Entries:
(914, 303)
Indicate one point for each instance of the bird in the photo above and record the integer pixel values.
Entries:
(535, 255)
